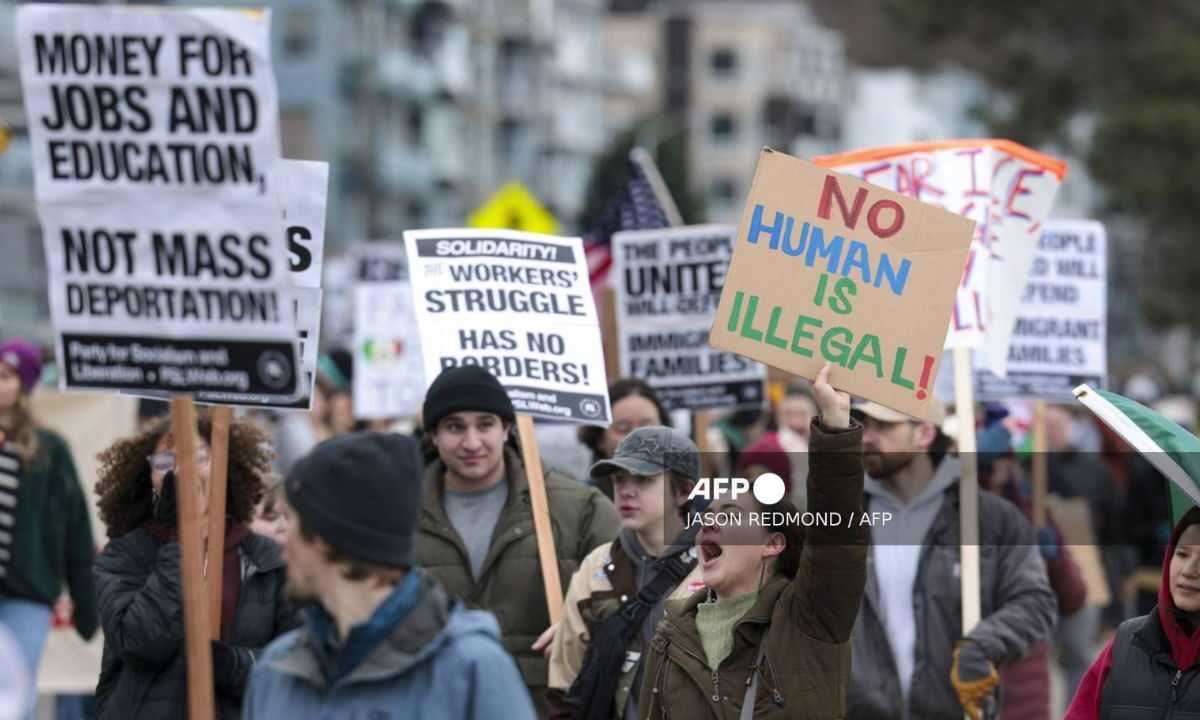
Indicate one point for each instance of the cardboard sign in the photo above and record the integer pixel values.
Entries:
(155, 144)
(1059, 339)
(1006, 188)
(829, 268)
(518, 304)
(668, 283)
(389, 378)
(514, 207)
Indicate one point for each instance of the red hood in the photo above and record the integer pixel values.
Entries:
(768, 452)
(1184, 648)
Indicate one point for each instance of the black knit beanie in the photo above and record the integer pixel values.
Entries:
(361, 493)
(466, 388)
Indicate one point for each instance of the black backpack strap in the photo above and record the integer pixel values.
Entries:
(670, 571)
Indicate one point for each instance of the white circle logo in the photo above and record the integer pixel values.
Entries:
(768, 488)
(590, 407)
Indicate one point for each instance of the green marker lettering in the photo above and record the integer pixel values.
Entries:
(898, 368)
(748, 330)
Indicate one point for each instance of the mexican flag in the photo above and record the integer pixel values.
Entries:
(1167, 445)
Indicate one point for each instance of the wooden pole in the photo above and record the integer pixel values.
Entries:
(541, 518)
(222, 415)
(195, 600)
(608, 333)
(700, 422)
(1040, 480)
(968, 490)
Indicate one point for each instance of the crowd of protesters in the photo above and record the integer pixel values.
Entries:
(391, 569)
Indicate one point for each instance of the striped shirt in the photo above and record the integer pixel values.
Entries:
(10, 473)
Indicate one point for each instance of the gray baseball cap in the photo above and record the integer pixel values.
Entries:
(651, 450)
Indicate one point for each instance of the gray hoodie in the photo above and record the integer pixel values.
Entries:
(896, 552)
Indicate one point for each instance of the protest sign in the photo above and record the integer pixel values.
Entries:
(517, 304)
(388, 375)
(1006, 188)
(303, 193)
(123, 101)
(668, 283)
(389, 378)
(1059, 337)
(304, 187)
(827, 268)
(155, 143)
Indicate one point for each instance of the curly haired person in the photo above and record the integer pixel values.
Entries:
(143, 672)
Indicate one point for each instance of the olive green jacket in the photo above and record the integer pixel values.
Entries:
(510, 583)
(806, 622)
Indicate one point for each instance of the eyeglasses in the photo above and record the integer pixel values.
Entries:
(165, 461)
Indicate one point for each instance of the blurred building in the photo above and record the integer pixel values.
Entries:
(422, 108)
(733, 77)
(23, 304)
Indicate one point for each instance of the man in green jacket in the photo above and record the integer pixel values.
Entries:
(476, 531)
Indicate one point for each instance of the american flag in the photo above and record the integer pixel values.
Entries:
(636, 207)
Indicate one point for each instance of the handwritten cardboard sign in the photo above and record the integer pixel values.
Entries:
(1007, 188)
(829, 268)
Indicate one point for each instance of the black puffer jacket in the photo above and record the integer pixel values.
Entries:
(143, 674)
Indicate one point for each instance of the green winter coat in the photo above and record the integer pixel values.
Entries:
(510, 583)
(52, 536)
(806, 622)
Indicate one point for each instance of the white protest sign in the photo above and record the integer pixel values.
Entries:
(123, 101)
(389, 378)
(304, 187)
(668, 283)
(519, 305)
(388, 375)
(155, 143)
(1060, 334)
(1006, 188)
(304, 193)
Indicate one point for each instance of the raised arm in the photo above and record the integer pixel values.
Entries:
(833, 564)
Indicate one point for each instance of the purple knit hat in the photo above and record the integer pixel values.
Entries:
(25, 359)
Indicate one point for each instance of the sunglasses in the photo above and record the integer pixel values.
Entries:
(165, 461)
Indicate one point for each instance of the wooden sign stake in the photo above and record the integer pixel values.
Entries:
(222, 415)
(700, 423)
(1040, 479)
(968, 490)
(609, 332)
(195, 600)
(541, 518)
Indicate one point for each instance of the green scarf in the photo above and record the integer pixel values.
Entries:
(715, 621)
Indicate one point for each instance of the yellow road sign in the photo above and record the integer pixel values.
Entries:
(514, 207)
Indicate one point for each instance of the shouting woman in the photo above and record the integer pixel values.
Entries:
(772, 629)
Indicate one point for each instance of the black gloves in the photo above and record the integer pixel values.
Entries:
(165, 509)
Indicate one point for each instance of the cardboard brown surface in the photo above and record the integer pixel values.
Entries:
(1073, 519)
(827, 267)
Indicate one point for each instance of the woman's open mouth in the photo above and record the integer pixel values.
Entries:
(709, 552)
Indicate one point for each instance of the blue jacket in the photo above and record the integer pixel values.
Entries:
(441, 662)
